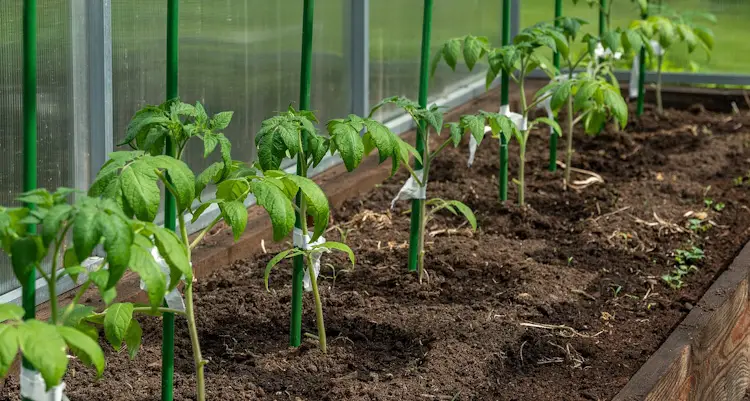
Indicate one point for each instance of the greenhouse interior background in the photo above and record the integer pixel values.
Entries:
(101, 60)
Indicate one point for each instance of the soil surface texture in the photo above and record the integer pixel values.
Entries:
(561, 300)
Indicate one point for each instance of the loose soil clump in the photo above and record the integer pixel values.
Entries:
(562, 300)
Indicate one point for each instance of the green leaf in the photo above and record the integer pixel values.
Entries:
(232, 189)
(278, 206)
(611, 41)
(706, 36)
(133, 338)
(78, 314)
(200, 113)
(100, 278)
(118, 237)
(617, 105)
(225, 148)
(211, 174)
(116, 323)
(45, 349)
(142, 122)
(278, 135)
(86, 232)
(181, 177)
(25, 253)
(143, 263)
(475, 124)
(339, 246)
(10, 312)
(347, 141)
(560, 95)
(86, 349)
(221, 120)
(584, 94)
(8, 347)
(183, 109)
(173, 251)
(75, 271)
(235, 215)
(466, 211)
(317, 147)
(381, 137)
(451, 52)
(552, 123)
(317, 203)
(435, 61)
(210, 140)
(472, 51)
(273, 262)
(52, 221)
(456, 133)
(40, 197)
(140, 190)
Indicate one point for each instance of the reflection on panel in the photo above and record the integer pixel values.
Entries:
(395, 41)
(59, 162)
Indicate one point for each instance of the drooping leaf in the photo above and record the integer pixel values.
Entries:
(212, 174)
(86, 349)
(317, 203)
(451, 52)
(8, 347)
(473, 51)
(86, 232)
(118, 238)
(181, 177)
(143, 263)
(560, 95)
(45, 349)
(25, 254)
(552, 124)
(339, 246)
(456, 133)
(466, 211)
(221, 120)
(475, 125)
(140, 190)
(173, 251)
(347, 141)
(272, 263)
(51, 224)
(100, 278)
(278, 206)
(116, 323)
(133, 338)
(10, 312)
(617, 106)
(235, 215)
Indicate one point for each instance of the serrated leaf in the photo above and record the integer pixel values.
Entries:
(456, 133)
(232, 189)
(221, 120)
(82, 346)
(45, 349)
(435, 62)
(278, 206)
(10, 312)
(560, 95)
(317, 203)
(349, 144)
(118, 237)
(143, 263)
(39, 197)
(585, 91)
(86, 232)
(617, 105)
(210, 141)
(235, 215)
(78, 314)
(142, 122)
(8, 347)
(473, 50)
(381, 138)
(133, 338)
(451, 52)
(139, 188)
(212, 174)
(225, 149)
(475, 125)
(116, 323)
(52, 221)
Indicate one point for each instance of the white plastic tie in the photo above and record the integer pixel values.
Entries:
(173, 298)
(473, 145)
(411, 189)
(33, 387)
(303, 242)
(633, 85)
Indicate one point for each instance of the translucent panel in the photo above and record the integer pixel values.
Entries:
(732, 50)
(395, 41)
(60, 160)
(239, 55)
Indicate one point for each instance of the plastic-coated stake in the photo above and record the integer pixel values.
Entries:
(298, 272)
(602, 17)
(28, 289)
(417, 205)
(641, 77)
(553, 136)
(170, 209)
(504, 100)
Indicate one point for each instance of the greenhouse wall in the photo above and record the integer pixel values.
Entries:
(101, 60)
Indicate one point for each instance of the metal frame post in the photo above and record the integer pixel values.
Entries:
(357, 55)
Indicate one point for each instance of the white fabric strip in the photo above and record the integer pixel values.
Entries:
(633, 85)
(303, 242)
(173, 298)
(411, 189)
(33, 387)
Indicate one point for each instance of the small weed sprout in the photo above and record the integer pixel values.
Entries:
(685, 263)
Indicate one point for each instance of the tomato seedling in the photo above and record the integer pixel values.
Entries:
(133, 179)
(89, 223)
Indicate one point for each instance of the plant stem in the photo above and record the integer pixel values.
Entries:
(521, 168)
(318, 306)
(569, 143)
(84, 287)
(203, 233)
(197, 357)
(659, 104)
(422, 206)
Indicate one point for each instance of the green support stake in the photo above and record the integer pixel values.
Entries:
(417, 205)
(28, 289)
(602, 17)
(556, 61)
(641, 77)
(504, 101)
(298, 271)
(167, 344)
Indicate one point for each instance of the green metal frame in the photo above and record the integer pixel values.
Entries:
(556, 60)
(504, 101)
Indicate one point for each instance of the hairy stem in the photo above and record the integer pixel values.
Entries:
(318, 306)
(197, 357)
(569, 143)
(52, 282)
(425, 177)
(521, 169)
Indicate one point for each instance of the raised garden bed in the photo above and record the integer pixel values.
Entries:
(560, 301)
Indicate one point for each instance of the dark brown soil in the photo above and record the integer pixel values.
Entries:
(559, 301)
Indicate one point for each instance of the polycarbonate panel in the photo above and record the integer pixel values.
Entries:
(395, 43)
(732, 49)
(62, 156)
(238, 55)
